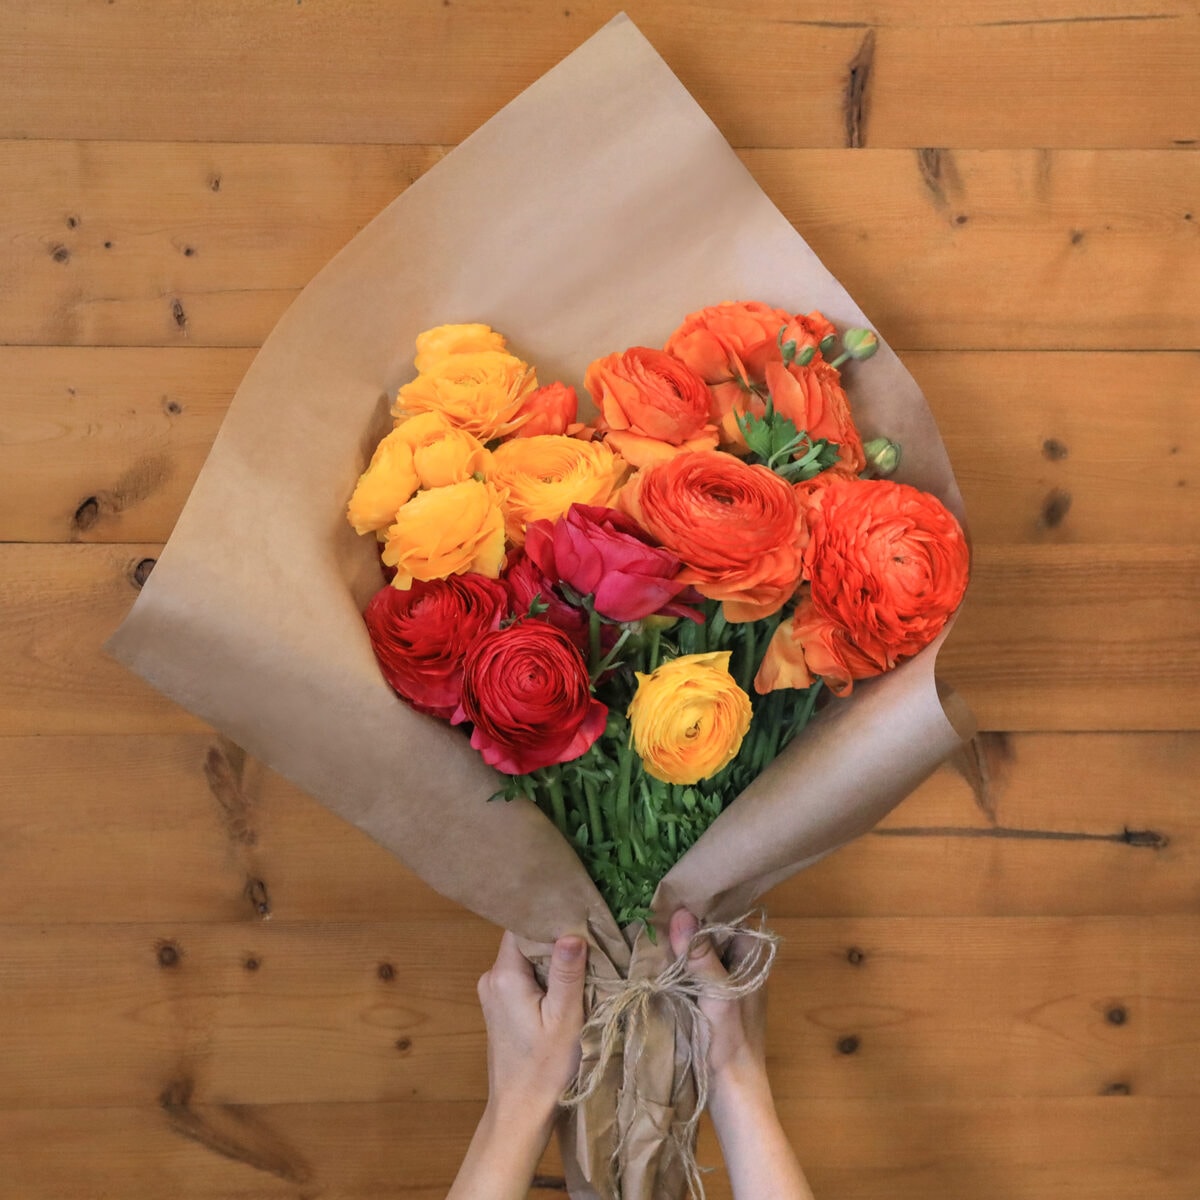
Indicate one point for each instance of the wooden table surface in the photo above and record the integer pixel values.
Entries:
(213, 989)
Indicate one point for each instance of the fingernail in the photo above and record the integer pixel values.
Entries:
(570, 948)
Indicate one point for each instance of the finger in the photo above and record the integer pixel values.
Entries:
(512, 971)
(702, 958)
(564, 980)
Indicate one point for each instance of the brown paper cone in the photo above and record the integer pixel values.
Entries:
(590, 214)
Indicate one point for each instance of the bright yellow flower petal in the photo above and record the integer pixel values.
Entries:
(447, 531)
(480, 392)
(384, 487)
(435, 344)
(688, 718)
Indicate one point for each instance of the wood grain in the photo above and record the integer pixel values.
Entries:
(969, 74)
(1094, 1148)
(177, 827)
(932, 1009)
(104, 444)
(130, 243)
(1039, 646)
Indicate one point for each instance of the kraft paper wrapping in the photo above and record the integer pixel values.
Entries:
(590, 214)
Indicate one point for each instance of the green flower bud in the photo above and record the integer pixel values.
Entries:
(860, 344)
(883, 455)
(806, 355)
(828, 344)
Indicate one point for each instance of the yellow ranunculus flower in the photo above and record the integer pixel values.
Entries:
(447, 531)
(384, 487)
(442, 454)
(688, 718)
(541, 477)
(481, 392)
(435, 344)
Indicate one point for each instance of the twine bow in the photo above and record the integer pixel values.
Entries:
(622, 1018)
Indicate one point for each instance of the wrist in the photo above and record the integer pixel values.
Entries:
(521, 1120)
(741, 1086)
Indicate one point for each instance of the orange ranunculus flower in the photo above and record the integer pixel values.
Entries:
(739, 529)
(551, 409)
(435, 344)
(384, 487)
(887, 566)
(541, 477)
(652, 406)
(815, 401)
(442, 453)
(481, 392)
(688, 718)
(447, 531)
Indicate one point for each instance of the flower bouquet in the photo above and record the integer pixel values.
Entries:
(592, 213)
(632, 622)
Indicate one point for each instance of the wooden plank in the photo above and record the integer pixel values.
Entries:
(929, 1009)
(129, 244)
(1051, 638)
(104, 444)
(974, 73)
(58, 604)
(1086, 636)
(1097, 1148)
(178, 827)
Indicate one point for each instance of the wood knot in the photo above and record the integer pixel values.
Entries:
(1117, 1089)
(386, 972)
(141, 572)
(251, 964)
(260, 901)
(168, 954)
(855, 957)
(404, 1045)
(848, 1045)
(87, 514)
(60, 254)
(1054, 450)
(1117, 1015)
(1054, 508)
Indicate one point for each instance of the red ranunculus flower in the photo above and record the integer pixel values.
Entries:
(602, 552)
(420, 636)
(527, 582)
(526, 691)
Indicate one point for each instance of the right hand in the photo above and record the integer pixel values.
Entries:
(737, 1050)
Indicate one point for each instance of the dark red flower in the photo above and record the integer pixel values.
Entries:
(527, 582)
(421, 636)
(526, 691)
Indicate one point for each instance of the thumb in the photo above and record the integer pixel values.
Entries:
(564, 979)
(703, 962)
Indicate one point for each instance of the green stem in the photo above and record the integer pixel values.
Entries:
(558, 804)
(622, 824)
(593, 807)
(593, 640)
(611, 657)
(655, 642)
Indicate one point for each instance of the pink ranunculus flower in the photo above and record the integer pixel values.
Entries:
(602, 552)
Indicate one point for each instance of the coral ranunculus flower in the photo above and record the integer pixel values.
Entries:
(384, 487)
(442, 454)
(887, 566)
(481, 392)
(652, 406)
(687, 718)
(539, 478)
(813, 398)
(527, 693)
(739, 529)
(421, 636)
(551, 409)
(447, 531)
(435, 344)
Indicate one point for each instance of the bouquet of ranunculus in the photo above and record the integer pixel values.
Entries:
(632, 621)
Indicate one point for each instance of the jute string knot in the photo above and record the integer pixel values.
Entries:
(620, 1021)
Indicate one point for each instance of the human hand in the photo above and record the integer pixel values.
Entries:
(533, 1035)
(737, 1046)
